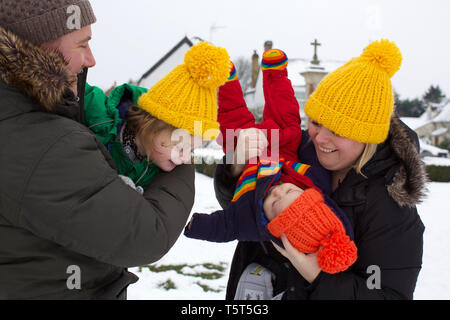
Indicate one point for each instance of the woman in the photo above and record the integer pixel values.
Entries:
(377, 177)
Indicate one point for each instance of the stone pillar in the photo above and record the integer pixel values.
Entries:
(268, 45)
(255, 68)
(313, 75)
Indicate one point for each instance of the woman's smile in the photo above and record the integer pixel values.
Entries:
(326, 150)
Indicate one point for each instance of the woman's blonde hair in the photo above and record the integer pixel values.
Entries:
(146, 126)
(367, 154)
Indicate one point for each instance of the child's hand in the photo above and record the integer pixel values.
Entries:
(190, 223)
(251, 143)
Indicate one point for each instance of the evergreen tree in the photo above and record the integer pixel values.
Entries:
(244, 71)
(409, 108)
(433, 94)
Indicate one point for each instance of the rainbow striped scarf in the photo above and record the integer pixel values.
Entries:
(264, 168)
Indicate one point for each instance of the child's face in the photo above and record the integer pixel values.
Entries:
(171, 149)
(279, 198)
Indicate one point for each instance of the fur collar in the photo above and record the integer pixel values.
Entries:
(408, 184)
(398, 163)
(40, 74)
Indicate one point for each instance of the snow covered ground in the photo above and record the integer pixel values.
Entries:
(434, 279)
(201, 283)
(197, 270)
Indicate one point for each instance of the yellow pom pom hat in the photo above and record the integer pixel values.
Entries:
(356, 101)
(188, 94)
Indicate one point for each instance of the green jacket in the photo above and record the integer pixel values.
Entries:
(62, 203)
(103, 118)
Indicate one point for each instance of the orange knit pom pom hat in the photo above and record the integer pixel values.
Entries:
(188, 94)
(310, 226)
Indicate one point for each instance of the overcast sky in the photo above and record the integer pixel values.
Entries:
(130, 36)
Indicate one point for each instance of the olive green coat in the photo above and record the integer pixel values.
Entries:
(62, 204)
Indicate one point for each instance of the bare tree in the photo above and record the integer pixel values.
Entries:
(244, 71)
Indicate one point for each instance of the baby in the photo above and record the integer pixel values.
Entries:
(278, 198)
(149, 131)
(278, 194)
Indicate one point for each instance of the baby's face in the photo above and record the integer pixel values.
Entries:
(279, 198)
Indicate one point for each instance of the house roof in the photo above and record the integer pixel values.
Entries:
(185, 40)
(444, 116)
(418, 122)
(298, 65)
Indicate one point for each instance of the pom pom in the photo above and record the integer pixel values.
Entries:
(338, 253)
(385, 54)
(208, 65)
(274, 59)
(233, 73)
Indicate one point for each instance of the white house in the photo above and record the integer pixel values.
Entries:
(433, 125)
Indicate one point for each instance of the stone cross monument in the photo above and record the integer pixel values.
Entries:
(314, 73)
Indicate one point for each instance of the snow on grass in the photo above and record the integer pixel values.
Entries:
(198, 270)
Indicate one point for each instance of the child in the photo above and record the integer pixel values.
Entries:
(138, 127)
(269, 195)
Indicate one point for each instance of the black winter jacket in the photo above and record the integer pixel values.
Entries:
(63, 208)
(382, 211)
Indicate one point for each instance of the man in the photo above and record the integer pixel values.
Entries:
(69, 226)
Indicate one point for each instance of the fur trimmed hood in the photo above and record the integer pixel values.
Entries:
(406, 179)
(408, 185)
(40, 74)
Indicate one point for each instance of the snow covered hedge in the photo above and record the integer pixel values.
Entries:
(438, 169)
(438, 173)
(435, 173)
(206, 159)
(207, 169)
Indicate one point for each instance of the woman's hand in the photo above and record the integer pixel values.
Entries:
(306, 264)
(251, 143)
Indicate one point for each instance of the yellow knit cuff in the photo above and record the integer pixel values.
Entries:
(344, 125)
(207, 129)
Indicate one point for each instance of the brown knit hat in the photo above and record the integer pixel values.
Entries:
(41, 21)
